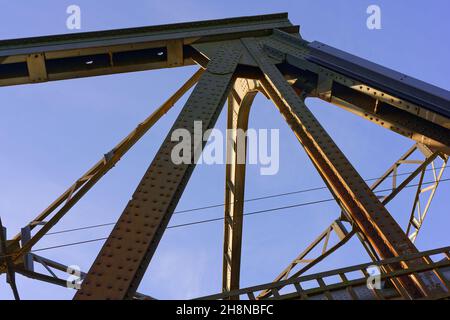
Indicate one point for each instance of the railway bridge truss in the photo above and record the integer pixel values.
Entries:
(239, 58)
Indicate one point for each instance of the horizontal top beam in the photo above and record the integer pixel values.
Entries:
(206, 30)
(87, 54)
(398, 84)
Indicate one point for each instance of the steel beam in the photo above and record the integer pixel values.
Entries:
(123, 260)
(398, 121)
(390, 172)
(323, 238)
(355, 197)
(63, 282)
(69, 56)
(345, 288)
(6, 257)
(43, 277)
(396, 187)
(52, 278)
(343, 235)
(239, 103)
(359, 91)
(73, 194)
(419, 212)
(397, 102)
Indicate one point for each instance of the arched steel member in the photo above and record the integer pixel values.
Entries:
(239, 103)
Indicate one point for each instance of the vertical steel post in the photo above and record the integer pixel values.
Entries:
(239, 103)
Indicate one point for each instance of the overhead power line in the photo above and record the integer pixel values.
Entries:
(289, 193)
(246, 200)
(205, 220)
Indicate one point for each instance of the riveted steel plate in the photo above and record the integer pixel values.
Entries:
(122, 261)
(396, 83)
(345, 183)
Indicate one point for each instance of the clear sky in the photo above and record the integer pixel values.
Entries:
(51, 133)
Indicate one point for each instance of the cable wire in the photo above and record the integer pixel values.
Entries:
(210, 220)
(246, 200)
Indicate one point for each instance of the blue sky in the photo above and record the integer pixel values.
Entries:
(51, 133)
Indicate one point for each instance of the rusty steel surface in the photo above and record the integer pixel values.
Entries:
(346, 184)
(337, 226)
(121, 263)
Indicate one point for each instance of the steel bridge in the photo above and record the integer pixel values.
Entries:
(239, 58)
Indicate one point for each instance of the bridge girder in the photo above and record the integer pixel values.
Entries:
(240, 57)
